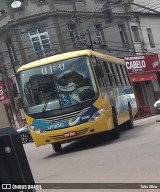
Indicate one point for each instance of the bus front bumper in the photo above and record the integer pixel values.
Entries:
(72, 133)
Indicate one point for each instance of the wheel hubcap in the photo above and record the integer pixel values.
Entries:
(24, 138)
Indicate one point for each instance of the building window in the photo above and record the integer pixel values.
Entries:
(41, 43)
(135, 32)
(150, 37)
(123, 34)
(73, 33)
(11, 50)
(99, 34)
(107, 10)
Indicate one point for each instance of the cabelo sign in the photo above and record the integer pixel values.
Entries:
(142, 63)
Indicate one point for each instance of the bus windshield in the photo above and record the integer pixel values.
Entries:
(58, 85)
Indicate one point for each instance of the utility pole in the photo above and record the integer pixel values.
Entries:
(11, 58)
(9, 94)
(77, 18)
(90, 39)
(78, 21)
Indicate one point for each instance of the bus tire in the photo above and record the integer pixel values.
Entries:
(115, 132)
(130, 124)
(57, 147)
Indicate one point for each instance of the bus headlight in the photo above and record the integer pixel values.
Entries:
(38, 130)
(96, 115)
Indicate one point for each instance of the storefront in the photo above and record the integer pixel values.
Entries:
(5, 119)
(144, 74)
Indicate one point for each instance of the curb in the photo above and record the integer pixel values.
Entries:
(139, 118)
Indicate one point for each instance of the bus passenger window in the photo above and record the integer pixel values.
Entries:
(100, 82)
(101, 73)
(116, 73)
(121, 75)
(127, 76)
(98, 70)
(125, 73)
(114, 82)
(107, 75)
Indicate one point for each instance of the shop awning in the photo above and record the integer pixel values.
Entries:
(142, 77)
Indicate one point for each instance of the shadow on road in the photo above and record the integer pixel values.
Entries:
(101, 140)
(83, 144)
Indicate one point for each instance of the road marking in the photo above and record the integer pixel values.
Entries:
(146, 119)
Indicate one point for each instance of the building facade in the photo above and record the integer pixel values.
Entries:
(40, 28)
(145, 69)
(144, 74)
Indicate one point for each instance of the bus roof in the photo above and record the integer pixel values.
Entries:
(69, 55)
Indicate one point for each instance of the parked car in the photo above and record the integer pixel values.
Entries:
(25, 135)
(157, 106)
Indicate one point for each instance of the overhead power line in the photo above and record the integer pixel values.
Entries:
(110, 25)
(142, 6)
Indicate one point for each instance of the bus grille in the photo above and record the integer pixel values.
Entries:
(78, 133)
(66, 116)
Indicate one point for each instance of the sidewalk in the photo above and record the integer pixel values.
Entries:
(145, 116)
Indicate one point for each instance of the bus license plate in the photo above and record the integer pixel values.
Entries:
(70, 134)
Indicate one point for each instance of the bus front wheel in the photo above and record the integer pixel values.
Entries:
(115, 133)
(57, 147)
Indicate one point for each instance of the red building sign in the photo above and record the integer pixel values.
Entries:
(3, 96)
(142, 63)
(142, 67)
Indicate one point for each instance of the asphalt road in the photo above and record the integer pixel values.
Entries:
(133, 158)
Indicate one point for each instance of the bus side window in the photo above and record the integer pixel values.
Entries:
(97, 71)
(112, 74)
(125, 73)
(121, 75)
(116, 72)
(106, 80)
(107, 74)
(100, 71)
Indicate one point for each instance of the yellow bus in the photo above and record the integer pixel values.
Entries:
(74, 95)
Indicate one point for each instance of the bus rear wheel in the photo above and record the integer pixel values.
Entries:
(129, 123)
(115, 132)
(57, 147)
